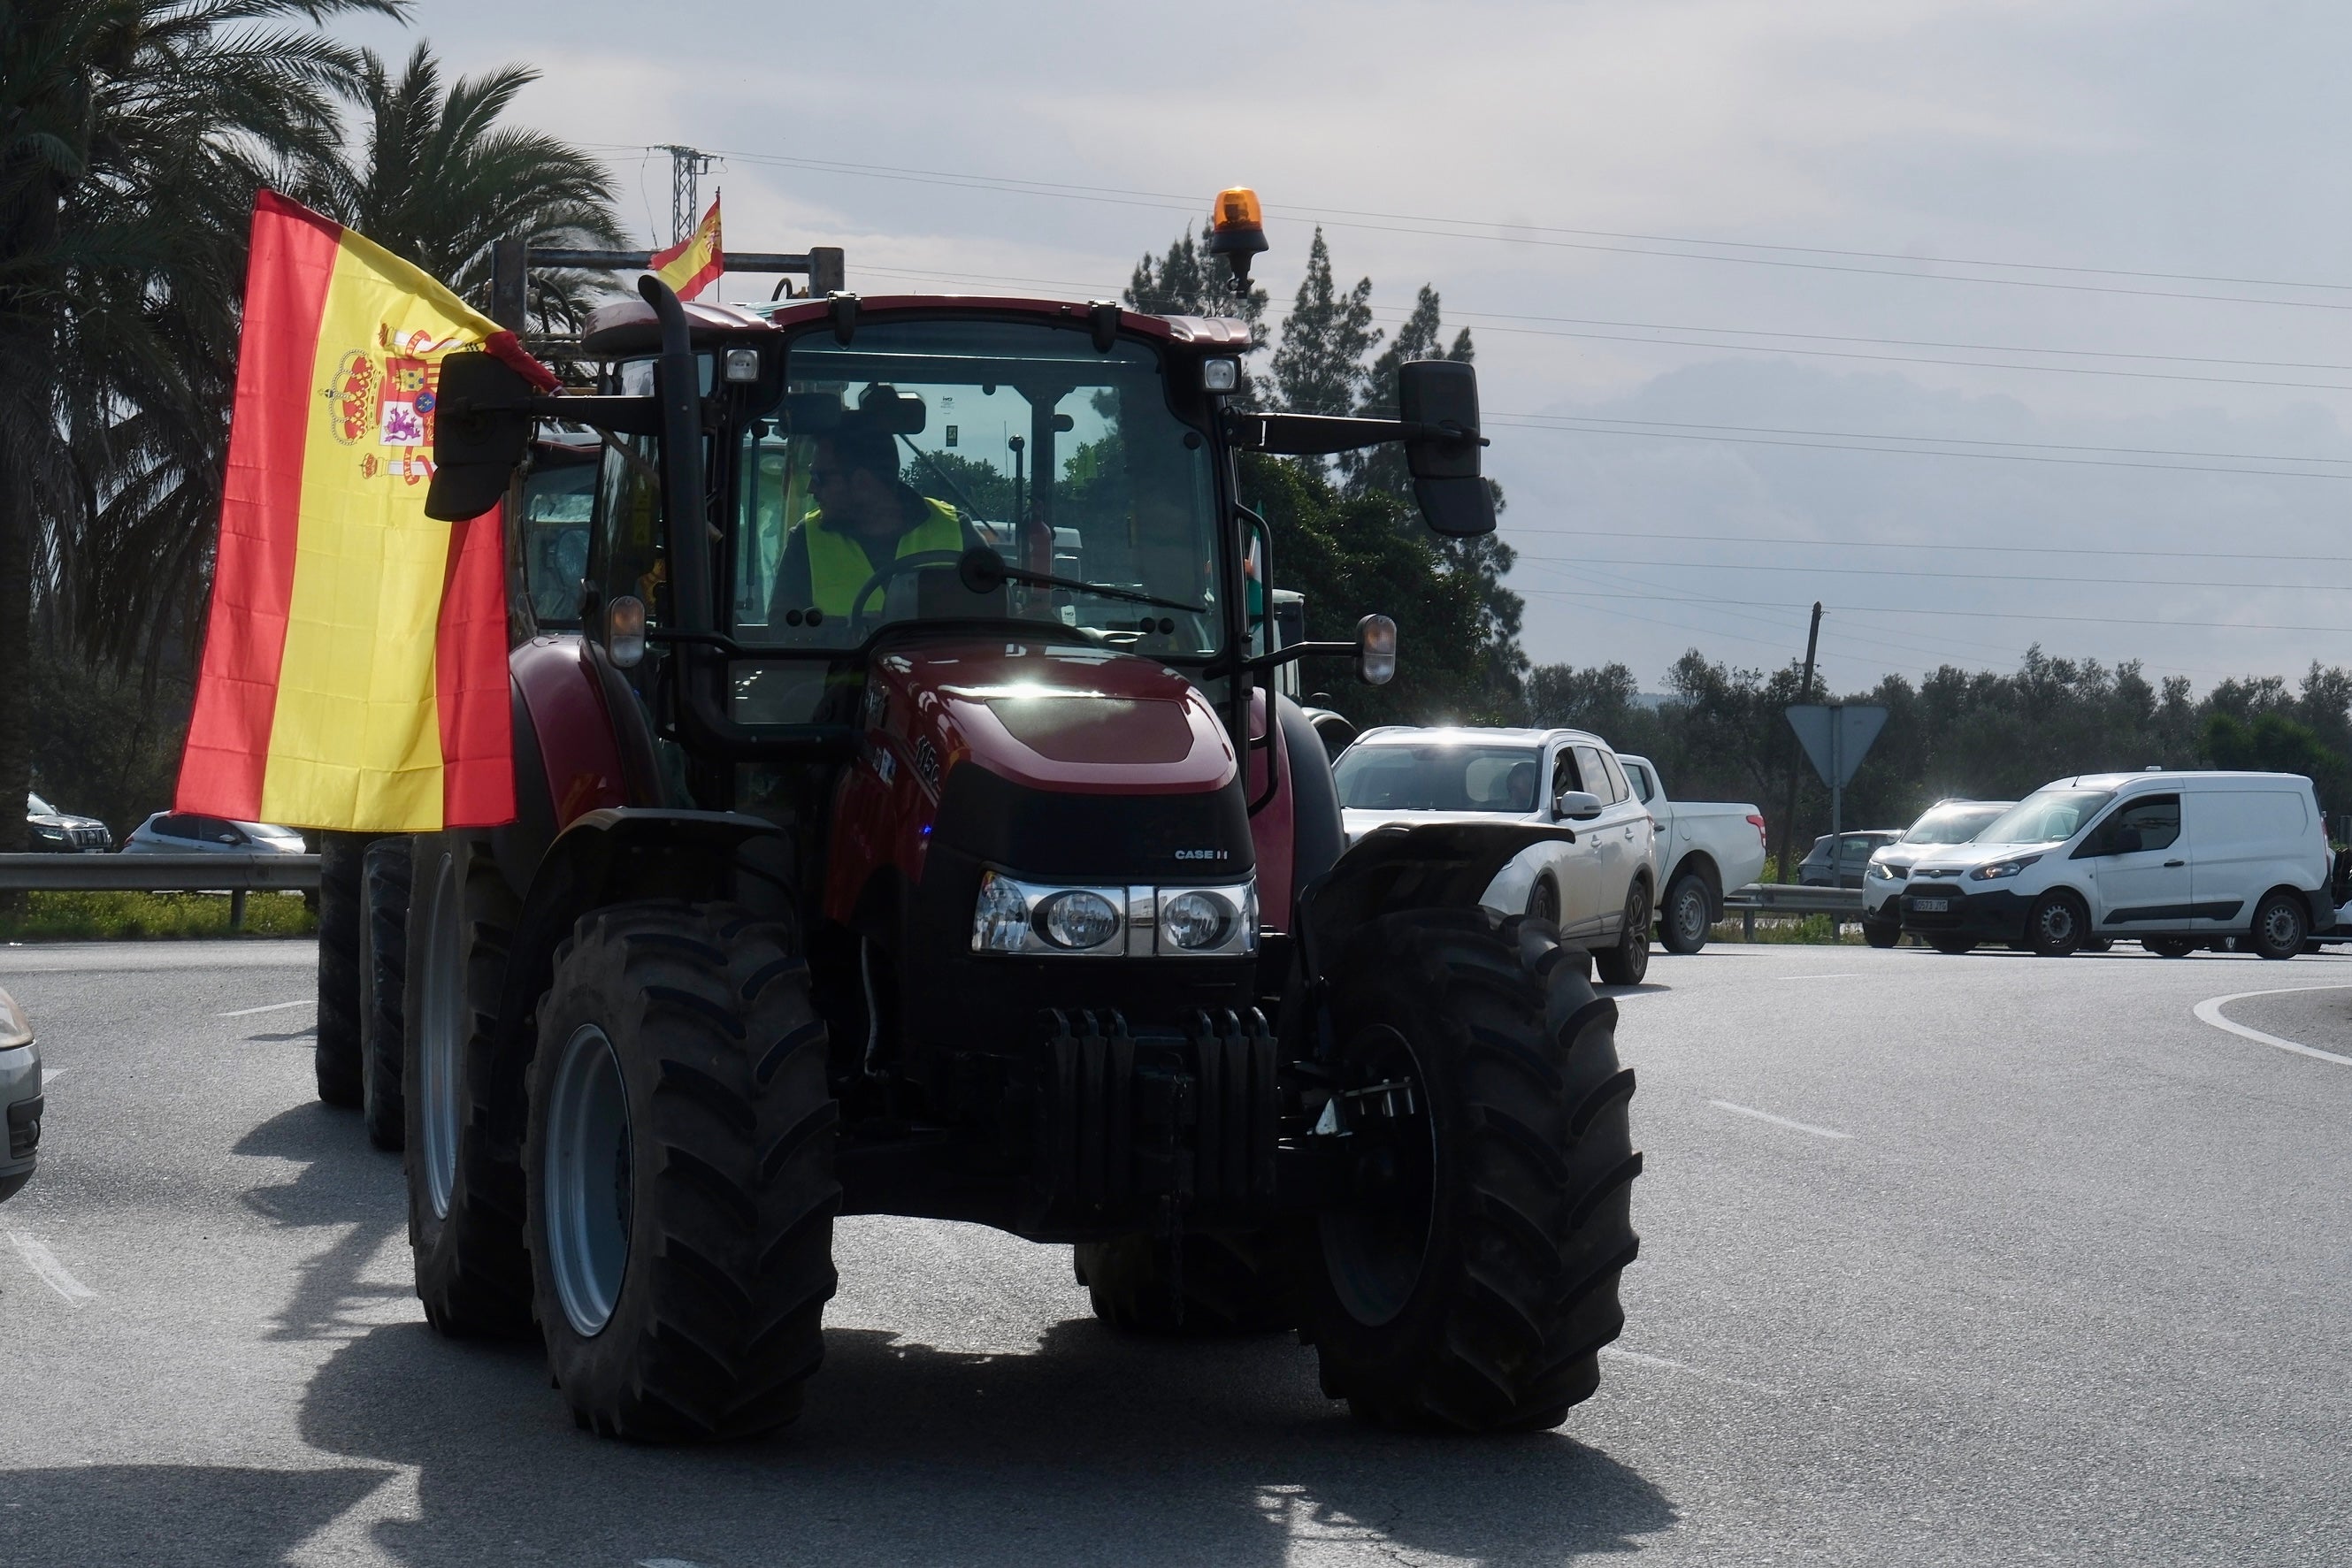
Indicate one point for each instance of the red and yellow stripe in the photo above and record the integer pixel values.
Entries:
(355, 673)
(694, 263)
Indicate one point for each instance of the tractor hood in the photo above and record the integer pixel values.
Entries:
(1057, 717)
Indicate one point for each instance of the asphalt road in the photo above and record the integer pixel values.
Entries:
(1970, 1260)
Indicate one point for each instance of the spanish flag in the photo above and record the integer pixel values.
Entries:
(694, 263)
(354, 673)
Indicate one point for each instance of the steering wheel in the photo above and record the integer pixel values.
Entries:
(904, 563)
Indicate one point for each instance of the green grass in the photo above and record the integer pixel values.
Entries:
(1819, 929)
(116, 916)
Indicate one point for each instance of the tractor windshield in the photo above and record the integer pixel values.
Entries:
(890, 457)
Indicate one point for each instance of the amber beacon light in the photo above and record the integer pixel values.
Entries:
(1237, 229)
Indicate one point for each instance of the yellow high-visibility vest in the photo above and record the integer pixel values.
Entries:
(839, 566)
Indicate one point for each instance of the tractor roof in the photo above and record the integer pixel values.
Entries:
(627, 326)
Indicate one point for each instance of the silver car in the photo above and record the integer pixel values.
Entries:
(183, 833)
(20, 1097)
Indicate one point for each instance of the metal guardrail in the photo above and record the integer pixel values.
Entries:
(235, 875)
(1788, 898)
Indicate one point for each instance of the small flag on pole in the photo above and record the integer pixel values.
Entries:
(694, 263)
(354, 673)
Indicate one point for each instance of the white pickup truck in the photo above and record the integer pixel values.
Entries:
(1702, 849)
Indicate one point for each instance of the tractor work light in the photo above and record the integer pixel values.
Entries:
(1237, 229)
(1219, 375)
(1044, 919)
(743, 366)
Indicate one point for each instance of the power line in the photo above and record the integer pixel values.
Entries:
(1949, 440)
(1971, 615)
(1948, 575)
(1523, 422)
(1523, 234)
(2338, 557)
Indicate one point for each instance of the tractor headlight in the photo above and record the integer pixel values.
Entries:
(1078, 919)
(1045, 918)
(1001, 922)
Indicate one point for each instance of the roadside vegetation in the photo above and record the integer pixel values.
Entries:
(107, 916)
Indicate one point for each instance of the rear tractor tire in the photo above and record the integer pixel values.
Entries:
(1478, 1295)
(465, 1194)
(1688, 913)
(383, 978)
(1226, 1283)
(335, 1053)
(1628, 962)
(681, 1168)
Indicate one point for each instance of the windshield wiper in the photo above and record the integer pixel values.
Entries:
(982, 570)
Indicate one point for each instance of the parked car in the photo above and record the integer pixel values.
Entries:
(62, 832)
(1946, 822)
(1704, 849)
(1601, 888)
(181, 833)
(2172, 860)
(20, 1097)
(1852, 853)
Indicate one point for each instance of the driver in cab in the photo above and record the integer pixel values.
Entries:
(866, 518)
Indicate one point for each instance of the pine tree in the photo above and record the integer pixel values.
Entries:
(1189, 282)
(1319, 369)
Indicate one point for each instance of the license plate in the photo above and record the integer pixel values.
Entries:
(1932, 906)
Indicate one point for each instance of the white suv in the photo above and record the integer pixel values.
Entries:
(1600, 889)
(2170, 860)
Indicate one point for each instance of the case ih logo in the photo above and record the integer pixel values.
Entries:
(1203, 854)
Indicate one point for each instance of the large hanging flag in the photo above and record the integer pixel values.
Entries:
(354, 673)
(694, 263)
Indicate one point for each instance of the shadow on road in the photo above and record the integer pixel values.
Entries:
(342, 1182)
(1097, 1448)
(190, 1516)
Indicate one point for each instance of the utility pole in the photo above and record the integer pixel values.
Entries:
(1797, 760)
(685, 167)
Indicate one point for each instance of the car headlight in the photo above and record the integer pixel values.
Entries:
(16, 1029)
(1878, 869)
(45, 831)
(1996, 870)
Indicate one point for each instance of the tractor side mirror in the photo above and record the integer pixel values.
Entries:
(1448, 480)
(1376, 650)
(481, 432)
(1575, 806)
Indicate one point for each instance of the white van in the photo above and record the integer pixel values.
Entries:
(2171, 860)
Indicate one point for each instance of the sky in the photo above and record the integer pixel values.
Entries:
(1984, 325)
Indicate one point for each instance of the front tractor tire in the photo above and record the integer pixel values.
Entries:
(384, 981)
(335, 1052)
(1476, 1291)
(680, 1169)
(465, 1197)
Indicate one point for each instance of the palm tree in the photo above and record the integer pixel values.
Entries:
(132, 135)
(439, 181)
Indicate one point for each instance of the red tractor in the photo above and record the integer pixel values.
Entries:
(907, 825)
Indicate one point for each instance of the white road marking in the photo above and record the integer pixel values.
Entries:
(1777, 1121)
(272, 1007)
(2210, 1010)
(1640, 1358)
(50, 1075)
(44, 1262)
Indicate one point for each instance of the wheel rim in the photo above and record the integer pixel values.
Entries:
(1543, 903)
(2280, 927)
(2058, 925)
(1635, 940)
(587, 1179)
(1690, 914)
(1373, 1256)
(440, 1036)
